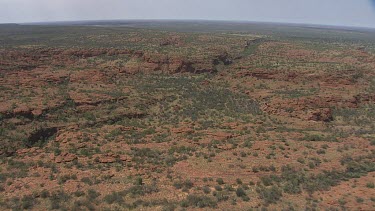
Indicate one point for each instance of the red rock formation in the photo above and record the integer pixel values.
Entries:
(65, 158)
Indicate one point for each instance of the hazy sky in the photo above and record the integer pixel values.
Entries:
(329, 12)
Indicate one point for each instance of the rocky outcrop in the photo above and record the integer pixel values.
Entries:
(169, 64)
(150, 62)
(28, 59)
(363, 98)
(106, 158)
(140, 61)
(307, 108)
(258, 73)
(65, 158)
(23, 111)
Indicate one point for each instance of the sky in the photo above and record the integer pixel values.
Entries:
(326, 12)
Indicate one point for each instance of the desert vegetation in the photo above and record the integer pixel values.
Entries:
(184, 116)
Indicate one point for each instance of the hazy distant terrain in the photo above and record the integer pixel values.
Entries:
(174, 115)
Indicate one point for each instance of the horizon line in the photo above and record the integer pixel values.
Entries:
(187, 20)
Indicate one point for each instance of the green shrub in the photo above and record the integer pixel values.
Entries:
(187, 184)
(79, 193)
(269, 195)
(58, 198)
(79, 204)
(240, 192)
(199, 201)
(138, 181)
(239, 181)
(321, 151)
(141, 190)
(44, 194)
(245, 198)
(64, 178)
(87, 180)
(114, 197)
(28, 202)
(370, 185)
(221, 196)
(218, 188)
(220, 181)
(206, 189)
(360, 200)
(92, 194)
(267, 180)
(313, 137)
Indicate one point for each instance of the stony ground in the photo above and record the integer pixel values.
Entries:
(114, 118)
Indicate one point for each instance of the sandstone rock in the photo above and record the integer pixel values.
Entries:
(125, 158)
(81, 145)
(182, 130)
(129, 128)
(22, 151)
(16, 121)
(225, 147)
(33, 150)
(23, 111)
(37, 112)
(107, 159)
(65, 158)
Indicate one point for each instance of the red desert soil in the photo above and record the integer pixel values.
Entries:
(177, 120)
